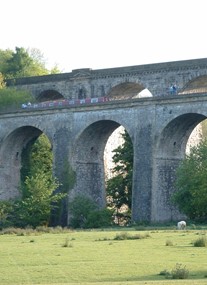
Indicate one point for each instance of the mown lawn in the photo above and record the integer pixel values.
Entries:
(96, 257)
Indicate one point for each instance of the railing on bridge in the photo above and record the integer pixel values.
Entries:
(66, 103)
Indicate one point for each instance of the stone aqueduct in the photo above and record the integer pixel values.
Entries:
(158, 123)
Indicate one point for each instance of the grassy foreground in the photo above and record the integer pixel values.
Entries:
(98, 257)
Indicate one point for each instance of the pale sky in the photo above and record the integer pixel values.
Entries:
(106, 33)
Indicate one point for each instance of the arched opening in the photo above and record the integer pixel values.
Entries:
(196, 85)
(11, 159)
(175, 136)
(26, 175)
(114, 141)
(118, 161)
(49, 95)
(198, 133)
(128, 90)
(171, 150)
(88, 161)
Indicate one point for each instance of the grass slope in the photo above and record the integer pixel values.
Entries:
(95, 257)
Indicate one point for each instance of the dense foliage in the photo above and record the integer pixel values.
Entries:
(85, 214)
(22, 63)
(38, 189)
(19, 63)
(38, 185)
(191, 183)
(11, 99)
(119, 187)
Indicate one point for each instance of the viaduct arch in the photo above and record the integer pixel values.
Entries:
(158, 124)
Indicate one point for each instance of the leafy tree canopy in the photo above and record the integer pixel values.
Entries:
(11, 99)
(38, 187)
(85, 214)
(20, 63)
(23, 62)
(35, 208)
(191, 183)
(119, 187)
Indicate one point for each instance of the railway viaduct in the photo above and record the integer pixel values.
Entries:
(158, 122)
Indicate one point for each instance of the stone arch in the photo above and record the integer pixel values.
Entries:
(49, 95)
(88, 160)
(11, 159)
(175, 135)
(114, 140)
(169, 152)
(128, 90)
(196, 85)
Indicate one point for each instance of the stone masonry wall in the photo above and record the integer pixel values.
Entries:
(157, 78)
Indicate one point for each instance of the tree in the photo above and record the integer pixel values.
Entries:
(6, 208)
(35, 208)
(11, 99)
(2, 83)
(119, 187)
(5, 56)
(19, 64)
(41, 156)
(22, 63)
(38, 186)
(85, 213)
(37, 157)
(191, 183)
(80, 208)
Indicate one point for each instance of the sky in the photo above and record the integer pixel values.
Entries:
(100, 34)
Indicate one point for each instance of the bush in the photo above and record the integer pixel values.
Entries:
(191, 179)
(169, 243)
(11, 99)
(200, 242)
(67, 243)
(165, 273)
(18, 231)
(5, 213)
(126, 236)
(122, 236)
(99, 218)
(179, 272)
(80, 208)
(85, 214)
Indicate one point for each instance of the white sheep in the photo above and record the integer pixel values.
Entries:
(181, 225)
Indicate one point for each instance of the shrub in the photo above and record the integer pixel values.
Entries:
(5, 213)
(80, 208)
(18, 231)
(179, 272)
(125, 235)
(39, 200)
(85, 214)
(67, 243)
(169, 243)
(52, 230)
(11, 98)
(165, 273)
(99, 218)
(200, 242)
(122, 236)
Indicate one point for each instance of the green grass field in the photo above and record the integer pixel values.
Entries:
(95, 257)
